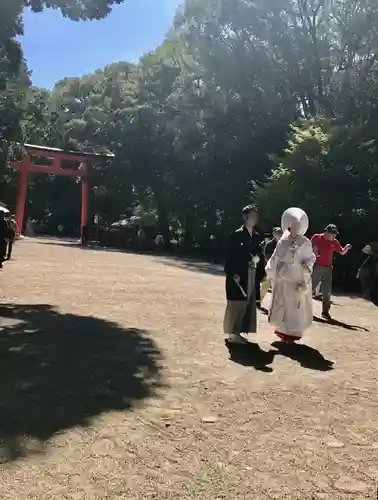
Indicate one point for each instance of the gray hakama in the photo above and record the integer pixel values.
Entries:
(241, 315)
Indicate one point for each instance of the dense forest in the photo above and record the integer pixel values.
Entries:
(270, 101)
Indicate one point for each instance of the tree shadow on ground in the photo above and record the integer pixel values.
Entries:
(74, 244)
(251, 355)
(340, 324)
(194, 265)
(179, 262)
(58, 371)
(306, 356)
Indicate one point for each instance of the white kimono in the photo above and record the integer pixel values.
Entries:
(290, 269)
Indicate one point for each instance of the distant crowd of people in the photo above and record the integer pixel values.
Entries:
(133, 237)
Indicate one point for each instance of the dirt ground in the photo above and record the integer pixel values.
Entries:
(115, 383)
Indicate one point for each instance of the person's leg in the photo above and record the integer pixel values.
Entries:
(264, 288)
(258, 293)
(10, 248)
(366, 277)
(233, 321)
(327, 290)
(318, 292)
(3, 251)
(317, 276)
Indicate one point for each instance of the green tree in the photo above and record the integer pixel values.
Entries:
(75, 9)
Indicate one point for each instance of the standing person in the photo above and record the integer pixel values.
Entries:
(4, 235)
(29, 229)
(242, 262)
(268, 251)
(141, 238)
(317, 294)
(213, 245)
(290, 269)
(367, 272)
(325, 245)
(84, 235)
(12, 235)
(260, 274)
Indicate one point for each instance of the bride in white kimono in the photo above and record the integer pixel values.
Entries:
(290, 269)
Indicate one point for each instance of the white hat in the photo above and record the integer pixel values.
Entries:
(295, 215)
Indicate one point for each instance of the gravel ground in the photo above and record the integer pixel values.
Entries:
(115, 383)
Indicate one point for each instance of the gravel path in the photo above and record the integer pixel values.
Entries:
(115, 383)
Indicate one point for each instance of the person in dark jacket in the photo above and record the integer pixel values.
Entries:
(368, 272)
(4, 235)
(244, 260)
(268, 251)
(12, 228)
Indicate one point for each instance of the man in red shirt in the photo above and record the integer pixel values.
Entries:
(324, 245)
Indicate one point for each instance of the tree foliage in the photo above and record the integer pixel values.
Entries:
(266, 100)
(75, 9)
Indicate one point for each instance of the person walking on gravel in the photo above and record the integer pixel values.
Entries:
(325, 245)
(290, 269)
(268, 250)
(4, 234)
(243, 259)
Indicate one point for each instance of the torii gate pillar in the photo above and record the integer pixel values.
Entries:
(21, 198)
(84, 197)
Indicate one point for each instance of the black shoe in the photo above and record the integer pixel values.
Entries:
(326, 316)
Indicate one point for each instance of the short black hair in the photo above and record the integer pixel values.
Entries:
(249, 209)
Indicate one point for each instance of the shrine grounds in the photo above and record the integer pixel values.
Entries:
(115, 383)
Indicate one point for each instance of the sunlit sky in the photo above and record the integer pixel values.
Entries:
(55, 47)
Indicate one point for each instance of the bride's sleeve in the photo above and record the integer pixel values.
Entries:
(271, 266)
(308, 256)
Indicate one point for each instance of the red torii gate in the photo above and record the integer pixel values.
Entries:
(50, 161)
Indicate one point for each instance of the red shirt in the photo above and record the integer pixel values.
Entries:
(324, 249)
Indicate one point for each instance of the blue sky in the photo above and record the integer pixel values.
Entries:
(55, 47)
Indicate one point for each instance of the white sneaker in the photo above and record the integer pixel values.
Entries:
(234, 338)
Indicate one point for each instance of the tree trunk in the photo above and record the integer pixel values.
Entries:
(164, 225)
(188, 234)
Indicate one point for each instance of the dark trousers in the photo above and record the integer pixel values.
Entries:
(10, 248)
(323, 275)
(258, 292)
(366, 277)
(3, 249)
(84, 236)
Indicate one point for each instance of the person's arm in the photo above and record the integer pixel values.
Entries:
(308, 256)
(314, 241)
(341, 250)
(230, 266)
(271, 266)
(268, 251)
(260, 268)
(262, 248)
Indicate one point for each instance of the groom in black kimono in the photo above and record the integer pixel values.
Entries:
(244, 264)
